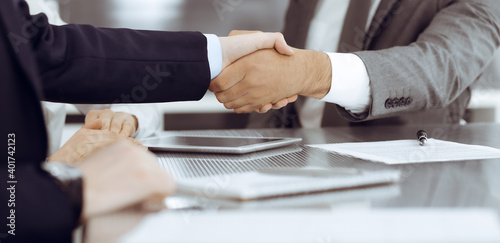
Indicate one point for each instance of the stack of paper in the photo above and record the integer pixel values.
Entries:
(409, 151)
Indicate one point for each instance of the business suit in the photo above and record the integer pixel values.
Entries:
(421, 57)
(78, 64)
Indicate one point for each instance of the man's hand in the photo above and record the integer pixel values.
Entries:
(266, 77)
(88, 139)
(117, 122)
(278, 105)
(243, 42)
(237, 46)
(122, 175)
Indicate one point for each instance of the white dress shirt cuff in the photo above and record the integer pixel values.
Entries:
(214, 50)
(350, 83)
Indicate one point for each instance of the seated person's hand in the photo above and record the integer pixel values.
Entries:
(117, 122)
(120, 176)
(88, 139)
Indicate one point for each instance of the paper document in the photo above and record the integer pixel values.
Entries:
(409, 151)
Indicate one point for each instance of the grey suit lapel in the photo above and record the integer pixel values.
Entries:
(298, 19)
(301, 12)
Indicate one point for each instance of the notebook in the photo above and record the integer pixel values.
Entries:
(255, 185)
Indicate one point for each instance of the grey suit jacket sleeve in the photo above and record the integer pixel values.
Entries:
(430, 73)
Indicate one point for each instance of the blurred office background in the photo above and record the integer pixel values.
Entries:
(220, 17)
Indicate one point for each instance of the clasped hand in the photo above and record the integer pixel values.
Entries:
(263, 77)
(235, 49)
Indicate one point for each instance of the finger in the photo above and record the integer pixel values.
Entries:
(246, 109)
(235, 104)
(96, 124)
(238, 103)
(116, 123)
(91, 116)
(265, 108)
(243, 32)
(105, 116)
(227, 78)
(236, 47)
(293, 98)
(128, 129)
(247, 99)
(228, 96)
(284, 102)
(281, 46)
(280, 104)
(236, 91)
(272, 40)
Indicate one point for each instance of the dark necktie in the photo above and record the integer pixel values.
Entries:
(297, 21)
(353, 33)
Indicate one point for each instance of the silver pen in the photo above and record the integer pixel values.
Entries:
(422, 137)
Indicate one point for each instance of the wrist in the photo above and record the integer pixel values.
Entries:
(318, 73)
(224, 46)
(61, 155)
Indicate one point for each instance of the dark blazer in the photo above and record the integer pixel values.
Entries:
(421, 57)
(77, 64)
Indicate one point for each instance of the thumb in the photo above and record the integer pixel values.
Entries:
(267, 40)
(281, 46)
(237, 46)
(96, 125)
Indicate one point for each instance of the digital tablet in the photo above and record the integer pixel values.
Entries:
(216, 144)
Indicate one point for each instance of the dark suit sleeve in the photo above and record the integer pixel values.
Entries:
(444, 61)
(84, 64)
(79, 64)
(35, 208)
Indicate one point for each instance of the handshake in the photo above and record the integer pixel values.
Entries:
(261, 72)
